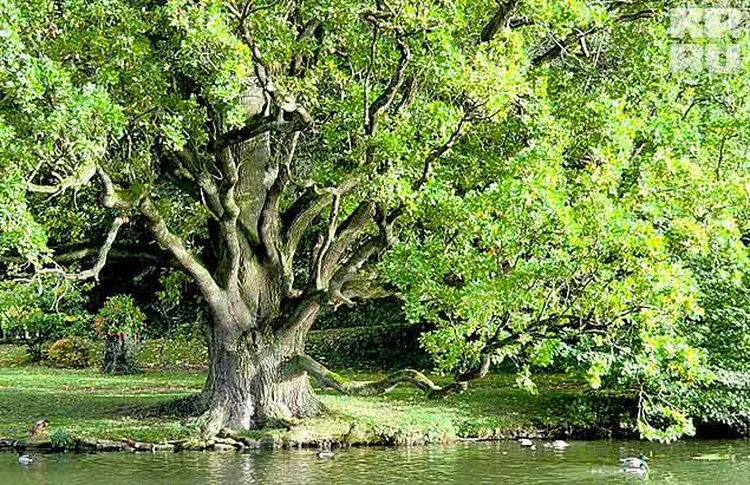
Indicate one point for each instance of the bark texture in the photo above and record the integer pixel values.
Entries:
(118, 355)
(246, 387)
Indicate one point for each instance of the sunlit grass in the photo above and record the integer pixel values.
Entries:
(90, 405)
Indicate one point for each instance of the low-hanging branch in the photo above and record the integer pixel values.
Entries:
(330, 380)
(67, 256)
(101, 260)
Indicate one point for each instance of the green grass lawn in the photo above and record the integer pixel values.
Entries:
(87, 404)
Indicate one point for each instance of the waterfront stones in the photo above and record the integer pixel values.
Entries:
(223, 448)
(106, 445)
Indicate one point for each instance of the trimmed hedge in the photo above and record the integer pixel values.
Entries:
(171, 353)
(386, 311)
(380, 347)
(375, 347)
(372, 347)
(367, 348)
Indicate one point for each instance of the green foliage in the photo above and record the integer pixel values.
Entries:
(119, 316)
(70, 353)
(590, 212)
(61, 440)
(725, 400)
(571, 233)
(36, 312)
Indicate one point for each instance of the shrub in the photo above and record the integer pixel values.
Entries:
(13, 356)
(119, 316)
(70, 353)
(34, 313)
(61, 440)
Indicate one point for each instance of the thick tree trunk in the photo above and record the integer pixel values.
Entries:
(118, 355)
(247, 386)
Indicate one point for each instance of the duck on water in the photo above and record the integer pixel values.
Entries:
(326, 451)
(635, 465)
(25, 459)
(555, 445)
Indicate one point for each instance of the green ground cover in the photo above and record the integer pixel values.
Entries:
(86, 404)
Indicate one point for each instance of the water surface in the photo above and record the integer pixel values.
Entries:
(591, 462)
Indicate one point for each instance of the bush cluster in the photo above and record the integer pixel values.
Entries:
(70, 353)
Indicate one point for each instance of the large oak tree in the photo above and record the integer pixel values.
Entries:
(278, 149)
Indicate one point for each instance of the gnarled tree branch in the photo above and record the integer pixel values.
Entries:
(289, 117)
(351, 229)
(229, 221)
(209, 288)
(385, 99)
(438, 152)
(330, 380)
(305, 216)
(270, 231)
(111, 198)
(501, 17)
(101, 259)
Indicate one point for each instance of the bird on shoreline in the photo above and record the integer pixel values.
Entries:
(25, 459)
(525, 442)
(39, 428)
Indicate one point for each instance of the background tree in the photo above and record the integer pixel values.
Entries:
(120, 322)
(277, 150)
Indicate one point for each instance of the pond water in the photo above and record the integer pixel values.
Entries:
(590, 462)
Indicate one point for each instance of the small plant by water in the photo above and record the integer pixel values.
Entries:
(61, 440)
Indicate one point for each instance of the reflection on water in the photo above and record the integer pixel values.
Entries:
(592, 462)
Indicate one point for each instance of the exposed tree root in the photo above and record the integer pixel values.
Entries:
(217, 419)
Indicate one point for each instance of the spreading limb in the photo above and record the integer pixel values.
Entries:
(330, 380)
(101, 258)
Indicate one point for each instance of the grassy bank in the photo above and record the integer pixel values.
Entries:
(85, 404)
